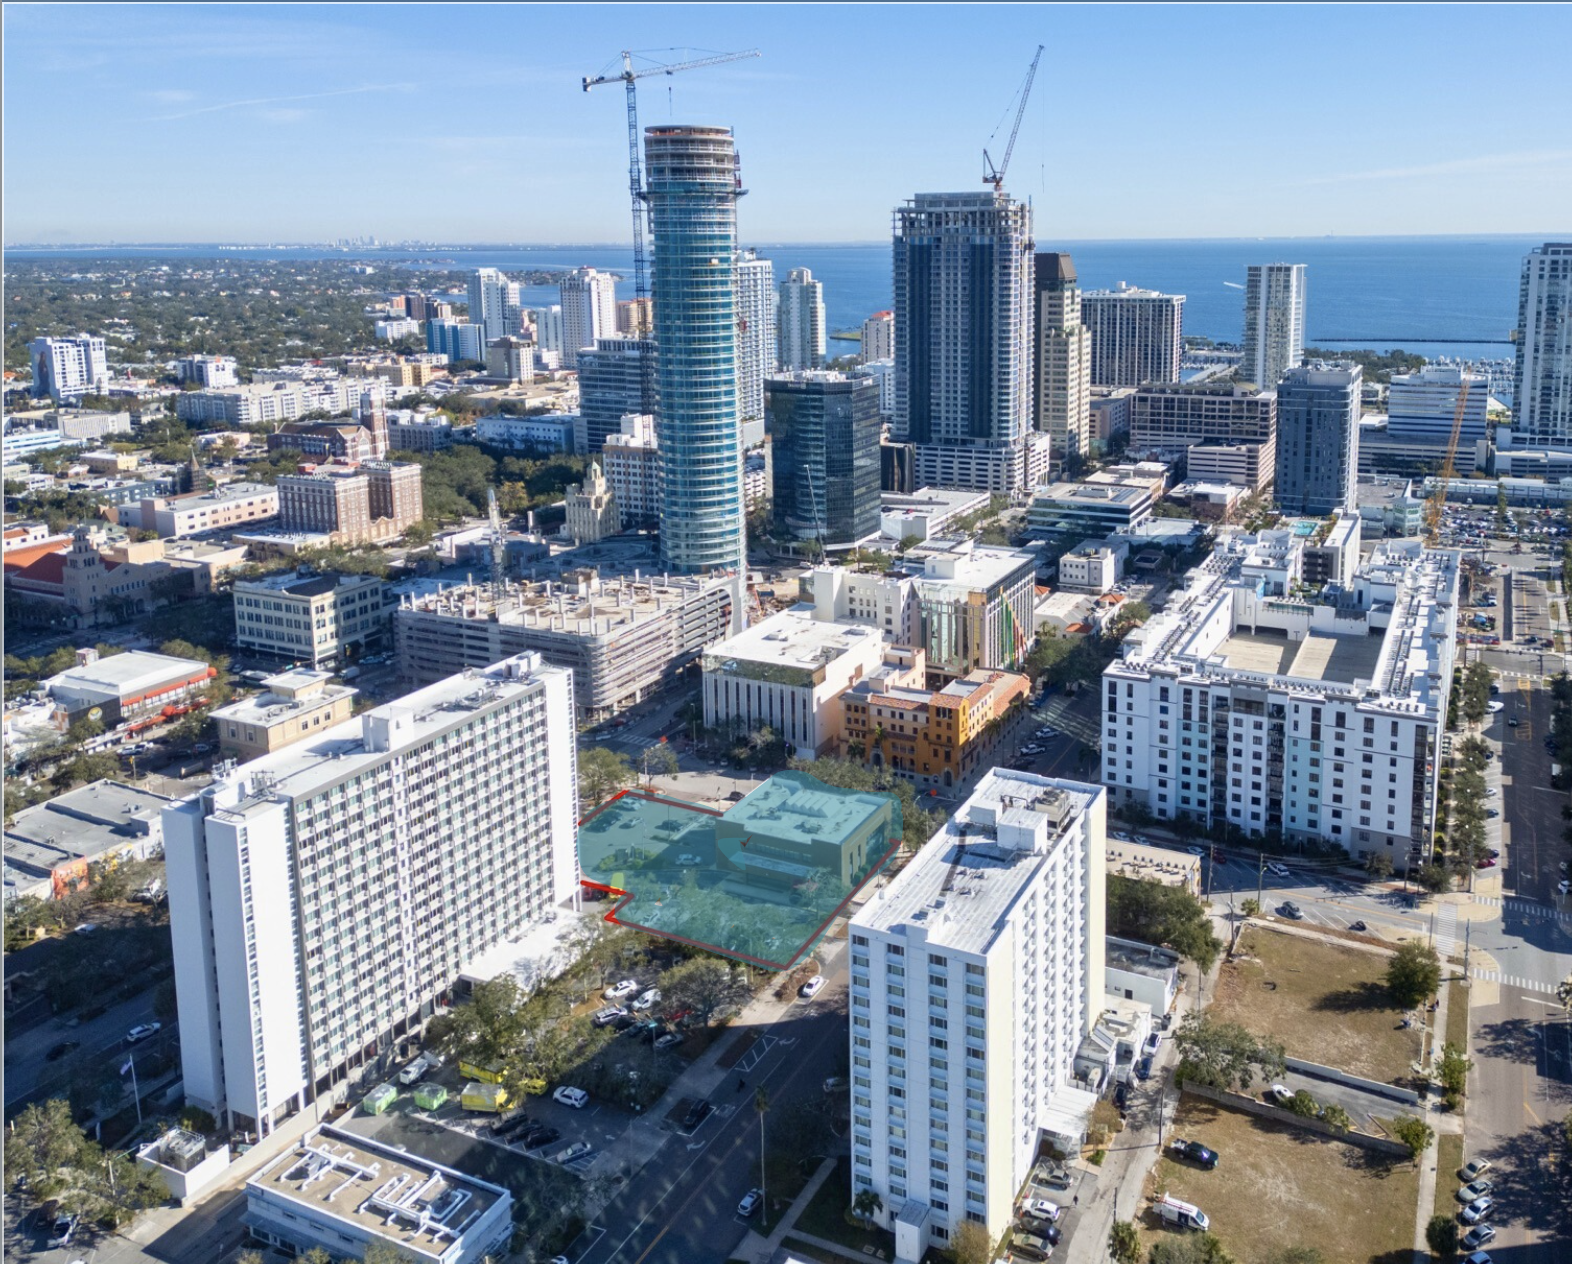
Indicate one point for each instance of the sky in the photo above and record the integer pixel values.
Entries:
(452, 123)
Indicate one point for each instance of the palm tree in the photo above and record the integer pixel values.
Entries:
(1123, 1242)
(867, 1205)
(761, 1103)
(878, 743)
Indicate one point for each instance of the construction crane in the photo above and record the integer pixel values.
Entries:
(628, 76)
(498, 546)
(995, 175)
(1435, 507)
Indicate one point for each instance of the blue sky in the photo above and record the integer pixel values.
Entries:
(467, 123)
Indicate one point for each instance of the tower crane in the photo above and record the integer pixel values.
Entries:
(995, 175)
(628, 76)
(1435, 507)
(498, 546)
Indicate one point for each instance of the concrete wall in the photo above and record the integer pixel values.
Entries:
(1238, 1101)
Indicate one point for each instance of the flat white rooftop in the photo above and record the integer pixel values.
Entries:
(128, 673)
(794, 638)
(963, 882)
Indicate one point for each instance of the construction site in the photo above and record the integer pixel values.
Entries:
(623, 638)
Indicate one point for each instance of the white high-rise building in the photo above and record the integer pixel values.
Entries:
(1135, 335)
(1251, 703)
(1064, 360)
(803, 339)
(68, 368)
(755, 333)
(975, 976)
(493, 305)
(963, 272)
(878, 337)
(589, 312)
(548, 335)
(1421, 406)
(1274, 321)
(1542, 377)
(324, 898)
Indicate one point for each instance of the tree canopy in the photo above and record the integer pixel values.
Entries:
(1413, 974)
(1225, 1055)
(1158, 914)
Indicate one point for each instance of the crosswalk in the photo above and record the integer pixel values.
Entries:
(1523, 908)
(1512, 980)
(1446, 930)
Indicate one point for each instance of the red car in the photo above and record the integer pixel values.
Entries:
(1485, 862)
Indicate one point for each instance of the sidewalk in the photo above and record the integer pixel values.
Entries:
(761, 1250)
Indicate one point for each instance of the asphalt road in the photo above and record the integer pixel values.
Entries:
(26, 1055)
(681, 1207)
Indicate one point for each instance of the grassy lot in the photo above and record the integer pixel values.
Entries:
(1456, 1015)
(1273, 1180)
(1449, 1157)
(1326, 1003)
(824, 1216)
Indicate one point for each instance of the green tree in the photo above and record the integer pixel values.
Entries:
(1378, 865)
(1195, 1248)
(602, 773)
(867, 1205)
(1158, 914)
(381, 1251)
(1336, 1118)
(1303, 1105)
(45, 1146)
(1224, 1055)
(658, 760)
(1124, 1243)
(1251, 907)
(1434, 878)
(489, 1030)
(1441, 1235)
(970, 1243)
(1413, 974)
(1416, 1134)
(705, 985)
(1454, 1069)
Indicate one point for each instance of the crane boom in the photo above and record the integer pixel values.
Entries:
(995, 176)
(628, 76)
(1436, 505)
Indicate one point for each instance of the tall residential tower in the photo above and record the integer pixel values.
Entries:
(1274, 321)
(803, 341)
(1064, 360)
(692, 185)
(1542, 380)
(1318, 438)
(589, 312)
(1135, 335)
(755, 337)
(963, 339)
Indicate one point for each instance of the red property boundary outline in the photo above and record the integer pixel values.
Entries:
(627, 897)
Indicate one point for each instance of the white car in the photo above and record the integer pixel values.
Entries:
(647, 1000)
(626, 988)
(1478, 1210)
(1277, 870)
(1042, 1209)
(1280, 1094)
(142, 1031)
(1564, 887)
(688, 860)
(1153, 1043)
(811, 988)
(576, 1098)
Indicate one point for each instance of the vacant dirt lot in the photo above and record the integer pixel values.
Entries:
(1276, 1187)
(1326, 1003)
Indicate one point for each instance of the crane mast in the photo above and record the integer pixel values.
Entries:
(1436, 506)
(995, 175)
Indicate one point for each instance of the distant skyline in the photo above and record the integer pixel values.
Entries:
(467, 124)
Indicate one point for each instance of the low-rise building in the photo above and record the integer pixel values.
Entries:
(125, 687)
(1390, 507)
(794, 828)
(342, 1192)
(926, 512)
(1066, 511)
(1142, 972)
(208, 371)
(293, 706)
(265, 401)
(227, 506)
(50, 848)
(1248, 465)
(933, 738)
(314, 619)
(789, 672)
(419, 432)
(1089, 568)
(1209, 501)
(590, 508)
(544, 432)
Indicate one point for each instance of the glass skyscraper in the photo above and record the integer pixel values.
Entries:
(824, 430)
(691, 187)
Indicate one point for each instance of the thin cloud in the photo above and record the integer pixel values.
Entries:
(1453, 166)
(172, 96)
(255, 101)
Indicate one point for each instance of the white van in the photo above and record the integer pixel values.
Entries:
(1182, 1214)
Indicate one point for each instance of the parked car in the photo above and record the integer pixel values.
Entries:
(1478, 1236)
(1195, 1152)
(1122, 1098)
(1042, 1209)
(61, 1231)
(628, 987)
(669, 1039)
(648, 1000)
(696, 1115)
(835, 1084)
(1153, 1043)
(1143, 1069)
(750, 1202)
(1478, 1210)
(1477, 1189)
(1277, 870)
(687, 860)
(576, 1098)
(142, 1031)
(60, 1050)
(811, 988)
(1279, 1095)
(1291, 910)
(610, 1014)
(1357, 926)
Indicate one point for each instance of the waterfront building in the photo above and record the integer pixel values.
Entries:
(878, 337)
(493, 306)
(1318, 438)
(393, 849)
(692, 183)
(803, 337)
(824, 441)
(1253, 702)
(68, 368)
(589, 312)
(963, 339)
(1542, 375)
(1422, 405)
(1274, 321)
(1064, 361)
(755, 337)
(457, 339)
(975, 976)
(1136, 335)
